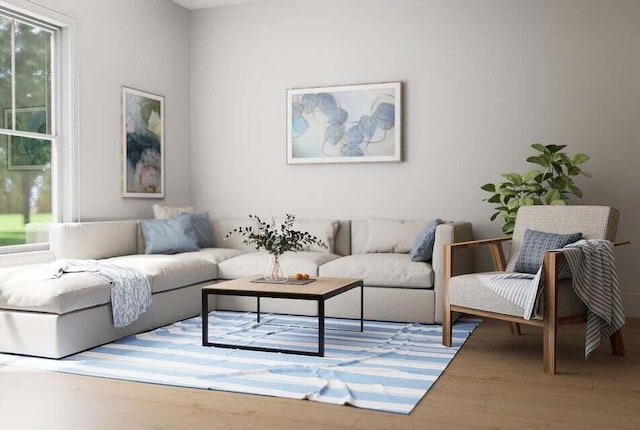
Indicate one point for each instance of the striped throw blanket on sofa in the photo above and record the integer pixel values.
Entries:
(130, 288)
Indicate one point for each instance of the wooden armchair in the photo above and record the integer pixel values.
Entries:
(467, 294)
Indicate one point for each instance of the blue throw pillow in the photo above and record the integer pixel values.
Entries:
(168, 236)
(422, 249)
(534, 246)
(202, 227)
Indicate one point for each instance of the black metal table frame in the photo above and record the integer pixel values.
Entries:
(272, 294)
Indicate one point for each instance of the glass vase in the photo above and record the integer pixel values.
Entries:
(274, 271)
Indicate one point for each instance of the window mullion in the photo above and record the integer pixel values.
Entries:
(13, 75)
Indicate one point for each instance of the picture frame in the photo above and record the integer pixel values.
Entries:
(143, 163)
(345, 124)
(26, 153)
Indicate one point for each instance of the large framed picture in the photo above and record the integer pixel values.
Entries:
(25, 153)
(344, 124)
(142, 144)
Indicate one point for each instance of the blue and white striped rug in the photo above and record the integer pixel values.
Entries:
(388, 367)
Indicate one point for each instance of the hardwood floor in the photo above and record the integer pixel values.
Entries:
(496, 381)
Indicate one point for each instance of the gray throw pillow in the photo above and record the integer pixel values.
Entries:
(534, 246)
(422, 249)
(168, 236)
(202, 227)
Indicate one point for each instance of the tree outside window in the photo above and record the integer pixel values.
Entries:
(25, 108)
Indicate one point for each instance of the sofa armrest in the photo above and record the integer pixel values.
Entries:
(465, 258)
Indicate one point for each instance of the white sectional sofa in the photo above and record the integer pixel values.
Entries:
(48, 317)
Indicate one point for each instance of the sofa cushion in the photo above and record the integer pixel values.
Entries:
(164, 212)
(382, 270)
(93, 240)
(213, 255)
(255, 263)
(391, 235)
(322, 229)
(169, 236)
(202, 228)
(167, 272)
(31, 288)
(223, 227)
(422, 249)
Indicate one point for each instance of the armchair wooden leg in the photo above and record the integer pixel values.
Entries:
(617, 343)
(550, 332)
(446, 326)
(550, 328)
(446, 307)
(515, 328)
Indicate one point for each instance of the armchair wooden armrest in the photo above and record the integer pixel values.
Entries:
(479, 242)
(495, 245)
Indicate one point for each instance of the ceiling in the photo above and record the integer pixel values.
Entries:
(203, 4)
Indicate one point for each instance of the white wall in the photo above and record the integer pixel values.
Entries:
(482, 81)
(142, 44)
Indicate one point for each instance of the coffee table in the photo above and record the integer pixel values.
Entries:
(320, 290)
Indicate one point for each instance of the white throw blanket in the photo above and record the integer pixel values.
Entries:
(130, 288)
(595, 281)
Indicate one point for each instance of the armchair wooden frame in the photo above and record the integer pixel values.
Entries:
(550, 321)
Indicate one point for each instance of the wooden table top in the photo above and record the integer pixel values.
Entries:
(319, 288)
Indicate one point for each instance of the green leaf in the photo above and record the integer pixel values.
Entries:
(580, 158)
(535, 159)
(575, 190)
(494, 198)
(587, 174)
(558, 202)
(540, 148)
(507, 228)
(530, 175)
(494, 216)
(513, 204)
(552, 195)
(555, 148)
(526, 201)
(489, 187)
(506, 192)
(513, 177)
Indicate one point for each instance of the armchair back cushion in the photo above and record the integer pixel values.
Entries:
(594, 222)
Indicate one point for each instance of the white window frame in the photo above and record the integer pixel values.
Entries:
(64, 114)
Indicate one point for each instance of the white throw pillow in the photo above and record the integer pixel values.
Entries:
(391, 235)
(323, 230)
(164, 212)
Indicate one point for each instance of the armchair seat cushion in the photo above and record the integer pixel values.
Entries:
(382, 270)
(470, 292)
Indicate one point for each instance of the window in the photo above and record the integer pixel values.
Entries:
(28, 129)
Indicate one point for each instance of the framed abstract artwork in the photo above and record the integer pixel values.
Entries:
(344, 124)
(25, 153)
(142, 144)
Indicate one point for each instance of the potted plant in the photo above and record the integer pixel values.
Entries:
(276, 240)
(551, 185)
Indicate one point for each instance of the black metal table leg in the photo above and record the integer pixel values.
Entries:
(205, 318)
(258, 309)
(321, 328)
(362, 306)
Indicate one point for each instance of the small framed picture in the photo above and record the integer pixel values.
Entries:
(344, 124)
(142, 144)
